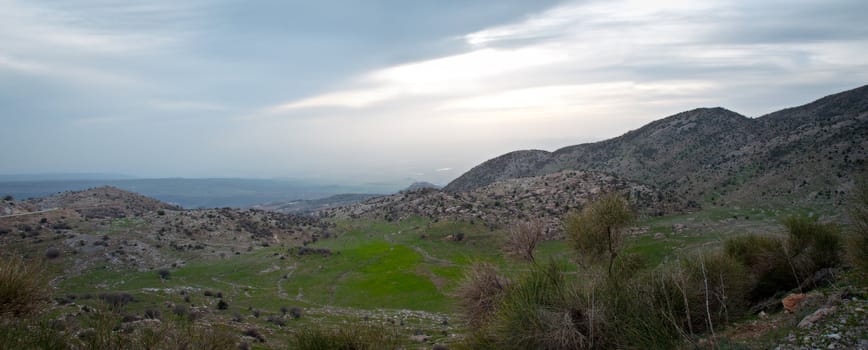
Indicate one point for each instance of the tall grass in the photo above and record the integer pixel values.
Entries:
(23, 287)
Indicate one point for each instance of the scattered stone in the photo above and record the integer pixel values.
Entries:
(792, 301)
(816, 316)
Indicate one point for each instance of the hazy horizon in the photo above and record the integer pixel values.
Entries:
(380, 91)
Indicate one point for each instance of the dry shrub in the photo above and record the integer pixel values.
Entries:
(522, 239)
(479, 293)
(23, 287)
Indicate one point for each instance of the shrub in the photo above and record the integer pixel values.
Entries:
(255, 334)
(164, 274)
(116, 301)
(859, 215)
(52, 253)
(720, 284)
(522, 239)
(295, 312)
(821, 243)
(358, 336)
(23, 287)
(152, 314)
(766, 258)
(479, 293)
(597, 233)
(276, 320)
(222, 305)
(8, 198)
(542, 311)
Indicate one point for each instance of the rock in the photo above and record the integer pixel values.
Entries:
(792, 301)
(679, 227)
(816, 316)
(659, 235)
(763, 315)
(834, 336)
(421, 338)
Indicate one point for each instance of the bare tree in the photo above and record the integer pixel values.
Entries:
(522, 239)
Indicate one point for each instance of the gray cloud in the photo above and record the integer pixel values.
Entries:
(388, 89)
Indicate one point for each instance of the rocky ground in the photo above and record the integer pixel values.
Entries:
(549, 198)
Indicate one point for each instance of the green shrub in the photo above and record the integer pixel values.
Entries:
(31, 334)
(820, 243)
(543, 311)
(766, 258)
(597, 232)
(23, 287)
(858, 211)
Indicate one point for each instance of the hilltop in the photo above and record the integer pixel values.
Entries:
(806, 154)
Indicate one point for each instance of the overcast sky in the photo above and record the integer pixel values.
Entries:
(389, 90)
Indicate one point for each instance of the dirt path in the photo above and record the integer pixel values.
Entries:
(29, 213)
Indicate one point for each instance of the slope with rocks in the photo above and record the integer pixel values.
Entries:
(124, 230)
(548, 197)
(711, 155)
(104, 202)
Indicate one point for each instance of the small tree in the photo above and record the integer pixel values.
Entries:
(597, 232)
(522, 239)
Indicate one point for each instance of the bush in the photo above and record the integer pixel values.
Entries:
(479, 293)
(52, 253)
(152, 314)
(116, 301)
(522, 239)
(23, 287)
(164, 274)
(540, 311)
(295, 312)
(821, 243)
(766, 258)
(358, 336)
(859, 215)
(222, 305)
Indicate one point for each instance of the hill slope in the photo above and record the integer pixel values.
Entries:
(713, 155)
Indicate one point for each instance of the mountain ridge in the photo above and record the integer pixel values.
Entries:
(708, 155)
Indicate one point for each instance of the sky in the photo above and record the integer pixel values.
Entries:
(368, 91)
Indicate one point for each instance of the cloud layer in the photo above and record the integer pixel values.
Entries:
(378, 91)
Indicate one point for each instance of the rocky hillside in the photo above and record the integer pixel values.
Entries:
(127, 230)
(547, 197)
(810, 153)
(103, 202)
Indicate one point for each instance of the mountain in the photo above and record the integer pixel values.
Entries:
(810, 153)
(421, 185)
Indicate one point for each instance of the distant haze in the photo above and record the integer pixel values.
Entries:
(353, 92)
